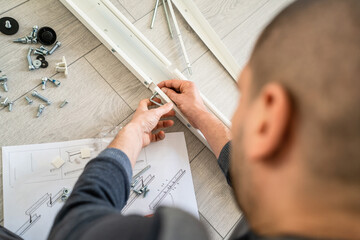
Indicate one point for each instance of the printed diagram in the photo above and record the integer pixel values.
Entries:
(35, 166)
(50, 201)
(167, 189)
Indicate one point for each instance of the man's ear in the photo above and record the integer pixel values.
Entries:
(268, 121)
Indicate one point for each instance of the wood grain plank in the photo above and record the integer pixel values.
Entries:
(76, 41)
(211, 231)
(7, 5)
(132, 91)
(214, 196)
(241, 41)
(93, 104)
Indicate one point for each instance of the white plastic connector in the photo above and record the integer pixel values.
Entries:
(85, 153)
(62, 66)
(58, 162)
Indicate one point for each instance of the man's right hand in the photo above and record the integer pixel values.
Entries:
(187, 98)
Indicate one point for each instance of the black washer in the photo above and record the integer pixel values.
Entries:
(44, 64)
(46, 36)
(40, 57)
(9, 31)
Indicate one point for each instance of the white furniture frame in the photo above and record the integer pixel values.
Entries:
(134, 50)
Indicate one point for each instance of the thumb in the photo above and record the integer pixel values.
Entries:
(164, 109)
(171, 94)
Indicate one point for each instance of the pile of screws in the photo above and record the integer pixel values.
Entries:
(6, 102)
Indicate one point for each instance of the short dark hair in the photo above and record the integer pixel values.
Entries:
(312, 48)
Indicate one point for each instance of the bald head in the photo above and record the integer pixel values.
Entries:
(312, 48)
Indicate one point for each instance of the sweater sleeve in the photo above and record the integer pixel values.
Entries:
(224, 161)
(102, 189)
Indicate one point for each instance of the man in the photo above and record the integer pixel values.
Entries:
(295, 162)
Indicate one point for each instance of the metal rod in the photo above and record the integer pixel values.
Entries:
(167, 19)
(154, 15)
(177, 29)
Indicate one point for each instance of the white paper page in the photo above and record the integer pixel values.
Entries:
(29, 179)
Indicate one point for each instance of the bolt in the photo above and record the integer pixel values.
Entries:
(57, 44)
(30, 101)
(63, 103)
(5, 86)
(34, 32)
(10, 104)
(43, 83)
(56, 82)
(40, 110)
(7, 24)
(40, 52)
(3, 81)
(21, 40)
(31, 66)
(4, 103)
(36, 94)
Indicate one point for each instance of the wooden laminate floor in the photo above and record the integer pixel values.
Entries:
(103, 93)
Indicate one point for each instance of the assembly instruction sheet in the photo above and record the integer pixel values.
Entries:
(34, 189)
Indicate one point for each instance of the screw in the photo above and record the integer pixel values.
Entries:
(3, 81)
(40, 52)
(7, 24)
(63, 103)
(57, 44)
(43, 83)
(21, 40)
(56, 82)
(31, 66)
(4, 103)
(10, 104)
(36, 94)
(33, 34)
(30, 101)
(40, 110)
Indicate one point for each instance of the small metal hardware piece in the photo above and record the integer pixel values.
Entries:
(31, 66)
(5, 102)
(154, 14)
(137, 178)
(56, 46)
(44, 64)
(40, 57)
(39, 51)
(29, 100)
(153, 101)
(167, 19)
(46, 36)
(3, 82)
(56, 82)
(21, 40)
(43, 83)
(36, 94)
(40, 110)
(8, 26)
(10, 105)
(33, 34)
(65, 195)
(63, 104)
(37, 63)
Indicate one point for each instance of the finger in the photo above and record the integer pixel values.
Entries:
(164, 124)
(171, 94)
(174, 83)
(144, 104)
(157, 137)
(164, 109)
(169, 114)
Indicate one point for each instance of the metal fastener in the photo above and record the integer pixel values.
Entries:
(56, 82)
(4, 103)
(40, 110)
(7, 24)
(43, 83)
(21, 40)
(39, 51)
(56, 46)
(63, 103)
(3, 81)
(36, 94)
(33, 34)
(153, 101)
(31, 66)
(10, 104)
(30, 101)
(37, 63)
